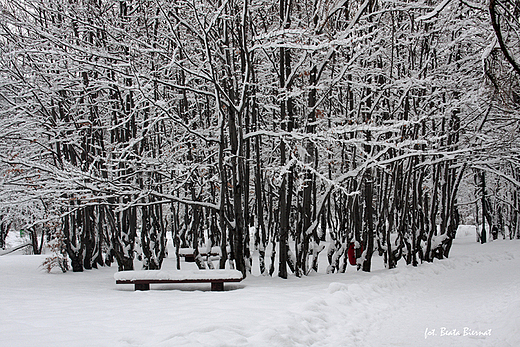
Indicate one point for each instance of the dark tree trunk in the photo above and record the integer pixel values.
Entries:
(369, 219)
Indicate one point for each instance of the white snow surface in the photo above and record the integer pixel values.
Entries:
(470, 299)
(178, 275)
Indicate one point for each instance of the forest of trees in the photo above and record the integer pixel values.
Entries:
(258, 126)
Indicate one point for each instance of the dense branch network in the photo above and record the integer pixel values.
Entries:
(290, 128)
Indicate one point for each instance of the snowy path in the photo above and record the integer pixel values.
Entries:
(459, 297)
(477, 288)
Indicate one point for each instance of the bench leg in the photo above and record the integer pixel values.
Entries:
(217, 286)
(142, 286)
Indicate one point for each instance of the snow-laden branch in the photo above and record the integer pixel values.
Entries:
(435, 11)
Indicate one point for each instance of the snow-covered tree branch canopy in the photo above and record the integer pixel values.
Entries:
(258, 126)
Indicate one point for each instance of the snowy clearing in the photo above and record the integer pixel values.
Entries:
(471, 299)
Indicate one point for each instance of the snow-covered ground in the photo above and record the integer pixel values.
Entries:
(447, 303)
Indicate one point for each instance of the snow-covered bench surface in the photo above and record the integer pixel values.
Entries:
(142, 279)
(178, 275)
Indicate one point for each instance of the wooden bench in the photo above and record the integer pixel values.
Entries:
(142, 279)
(189, 253)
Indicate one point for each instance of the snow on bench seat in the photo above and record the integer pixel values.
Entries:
(142, 279)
